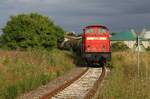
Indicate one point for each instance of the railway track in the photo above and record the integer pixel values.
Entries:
(78, 86)
(83, 88)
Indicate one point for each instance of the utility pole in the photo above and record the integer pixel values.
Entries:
(138, 38)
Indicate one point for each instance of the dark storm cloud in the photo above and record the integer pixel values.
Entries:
(131, 6)
(119, 15)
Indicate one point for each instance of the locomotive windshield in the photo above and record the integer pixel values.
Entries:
(89, 30)
(102, 30)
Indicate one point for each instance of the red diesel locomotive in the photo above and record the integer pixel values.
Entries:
(96, 44)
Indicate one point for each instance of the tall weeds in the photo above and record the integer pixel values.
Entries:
(21, 72)
(124, 81)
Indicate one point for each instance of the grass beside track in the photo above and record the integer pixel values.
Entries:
(21, 72)
(124, 82)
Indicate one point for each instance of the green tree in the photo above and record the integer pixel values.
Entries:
(31, 31)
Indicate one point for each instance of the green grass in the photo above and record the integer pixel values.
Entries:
(124, 82)
(21, 72)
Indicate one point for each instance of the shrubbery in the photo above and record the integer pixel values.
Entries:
(148, 48)
(119, 46)
(31, 31)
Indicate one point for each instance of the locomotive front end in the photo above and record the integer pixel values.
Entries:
(96, 43)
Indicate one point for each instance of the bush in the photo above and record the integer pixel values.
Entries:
(148, 48)
(31, 31)
(119, 46)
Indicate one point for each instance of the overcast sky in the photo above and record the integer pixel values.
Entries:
(72, 15)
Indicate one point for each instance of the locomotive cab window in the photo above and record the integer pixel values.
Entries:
(102, 30)
(89, 30)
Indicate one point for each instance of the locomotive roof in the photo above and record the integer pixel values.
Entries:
(95, 26)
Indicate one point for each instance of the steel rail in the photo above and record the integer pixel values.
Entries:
(97, 84)
(85, 87)
(63, 86)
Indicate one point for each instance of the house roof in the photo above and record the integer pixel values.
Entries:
(123, 36)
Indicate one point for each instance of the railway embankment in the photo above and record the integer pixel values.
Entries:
(81, 82)
(83, 88)
(53, 87)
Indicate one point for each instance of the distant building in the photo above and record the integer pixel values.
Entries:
(126, 37)
(129, 39)
(147, 35)
(146, 39)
